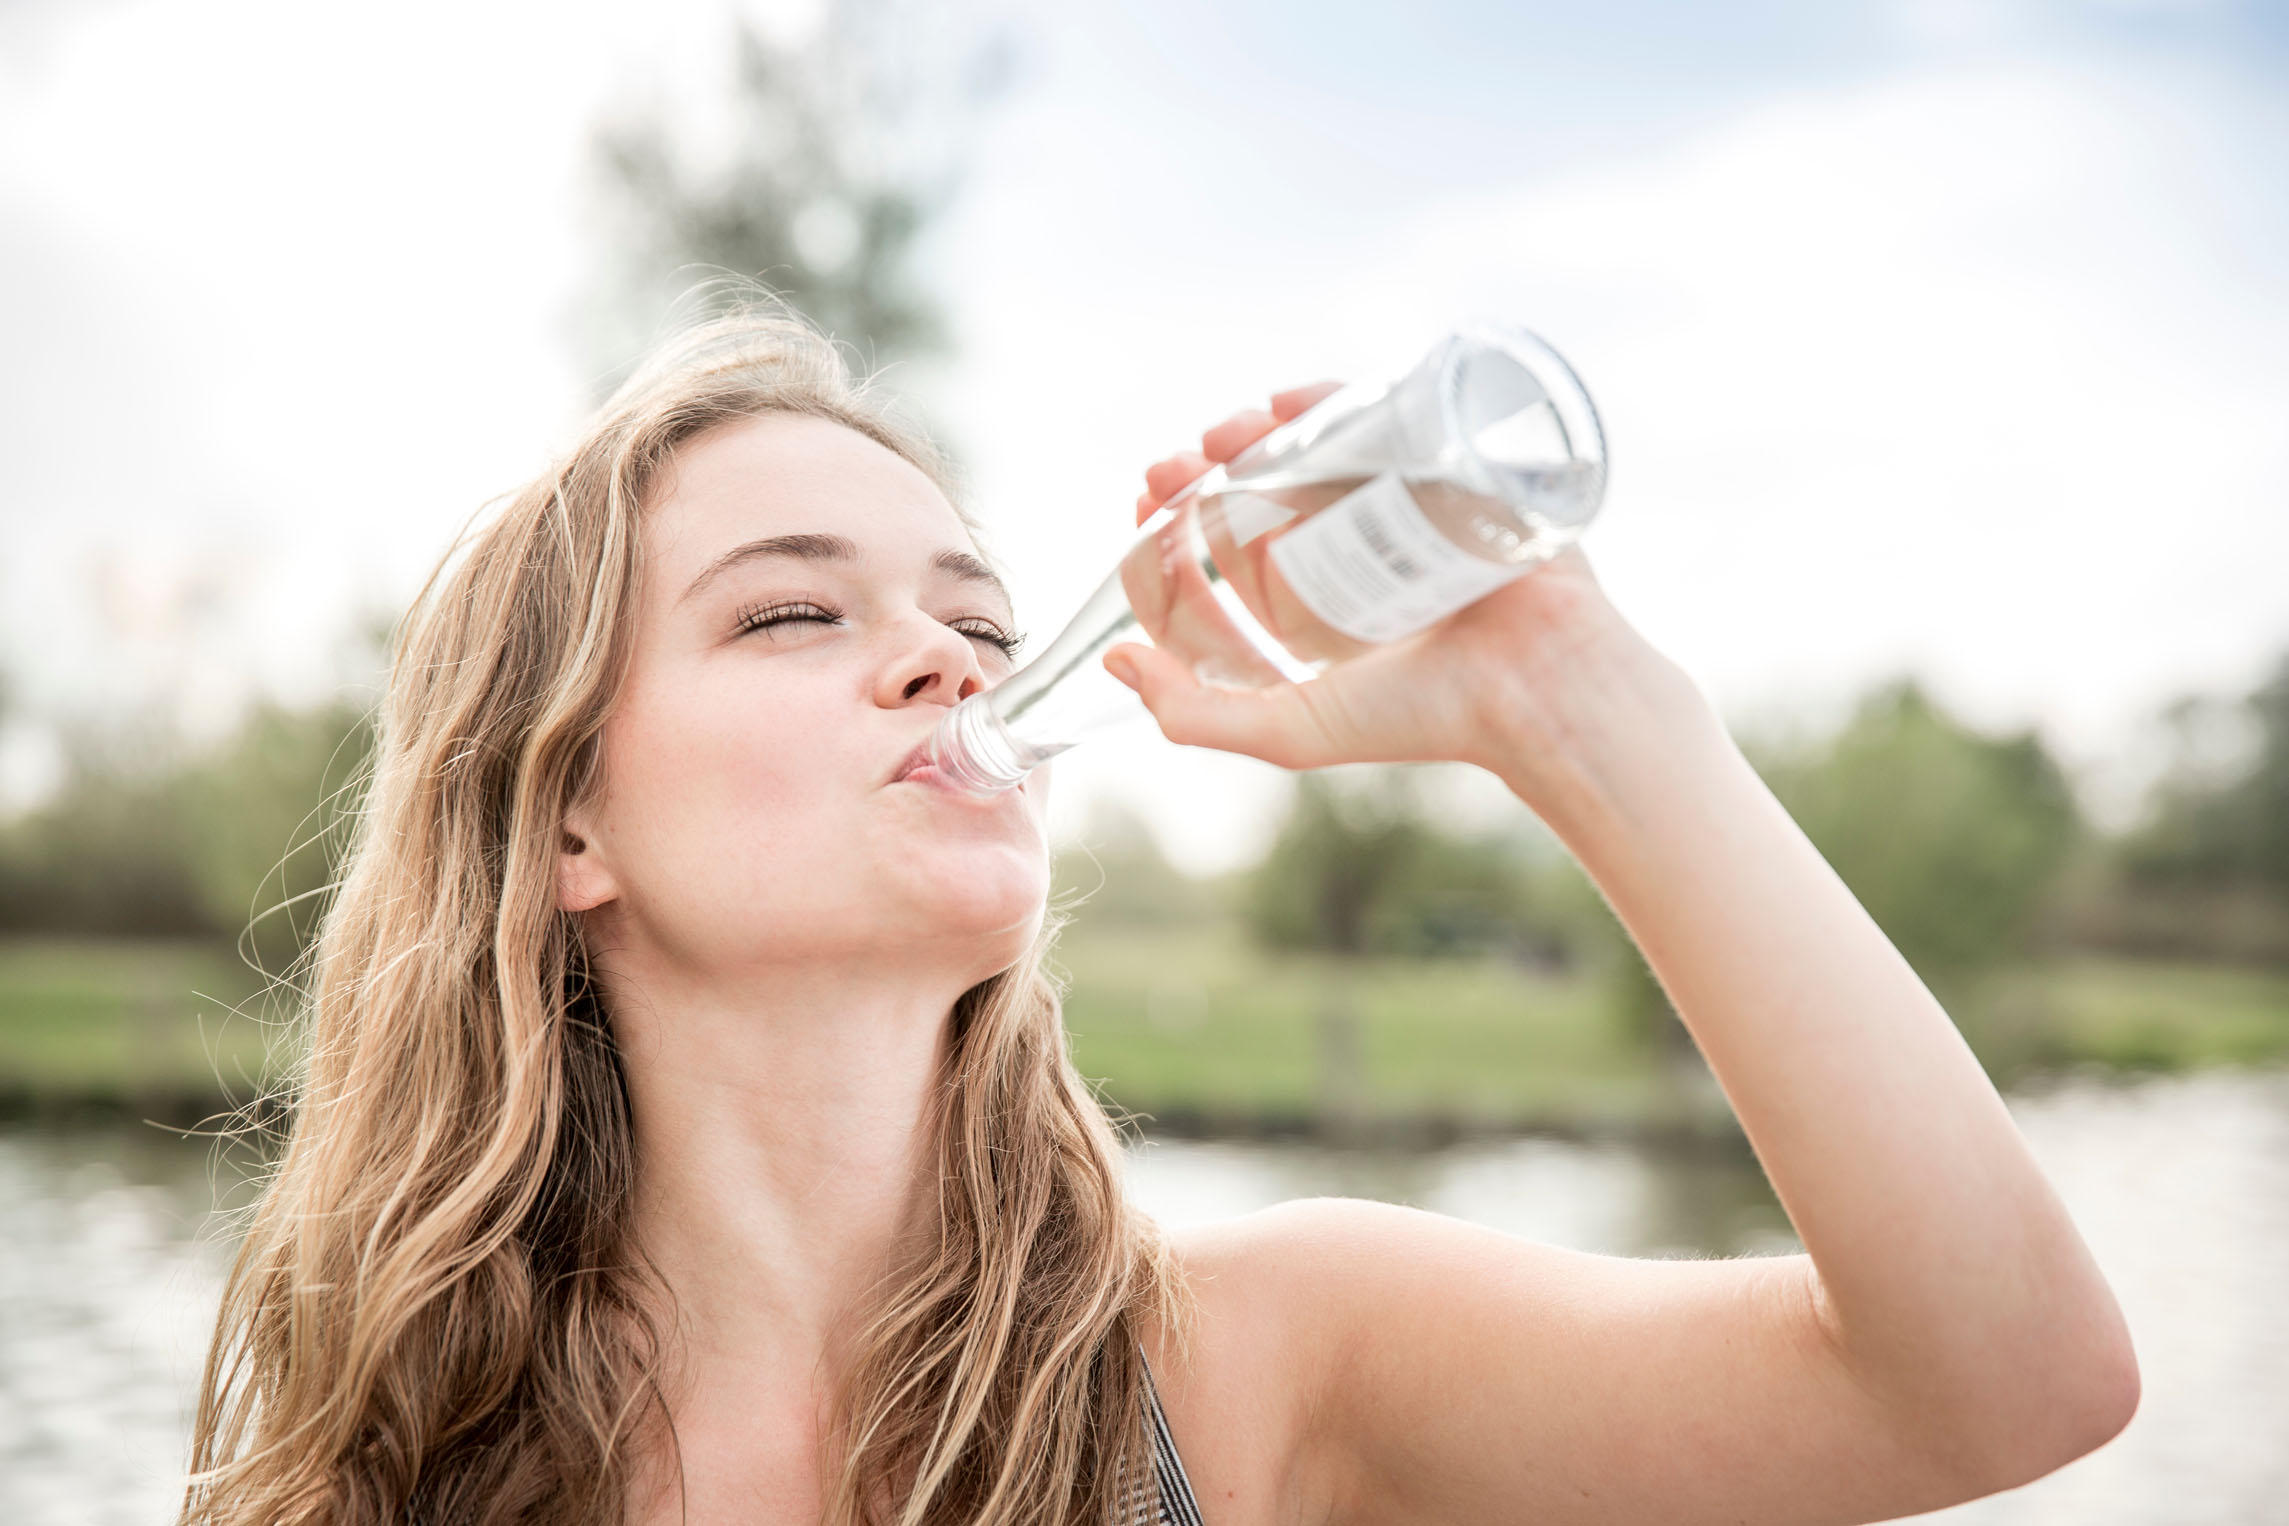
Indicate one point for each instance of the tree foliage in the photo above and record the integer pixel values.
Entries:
(1951, 839)
(1360, 866)
(2234, 830)
(239, 840)
(1954, 841)
(1117, 875)
(817, 173)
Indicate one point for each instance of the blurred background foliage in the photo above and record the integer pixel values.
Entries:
(818, 171)
(2052, 942)
(1968, 849)
(1951, 839)
(1378, 957)
(236, 841)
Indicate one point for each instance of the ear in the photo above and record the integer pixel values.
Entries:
(582, 879)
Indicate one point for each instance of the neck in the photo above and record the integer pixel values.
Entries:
(783, 1157)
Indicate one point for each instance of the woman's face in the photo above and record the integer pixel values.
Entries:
(811, 607)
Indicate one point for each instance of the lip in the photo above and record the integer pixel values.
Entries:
(929, 776)
(916, 761)
(928, 773)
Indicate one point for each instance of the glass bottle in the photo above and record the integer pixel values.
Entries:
(1376, 514)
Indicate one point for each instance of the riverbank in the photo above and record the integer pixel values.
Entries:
(1196, 1032)
(1212, 1037)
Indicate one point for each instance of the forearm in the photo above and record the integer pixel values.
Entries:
(1948, 1271)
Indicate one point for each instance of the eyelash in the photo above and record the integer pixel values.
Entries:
(763, 617)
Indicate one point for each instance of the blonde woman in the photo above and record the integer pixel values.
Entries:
(687, 1131)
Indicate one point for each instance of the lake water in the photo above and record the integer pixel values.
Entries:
(110, 1264)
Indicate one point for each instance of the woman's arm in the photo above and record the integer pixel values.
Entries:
(1948, 1335)
(1946, 1269)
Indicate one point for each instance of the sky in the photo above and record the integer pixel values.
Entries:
(1935, 337)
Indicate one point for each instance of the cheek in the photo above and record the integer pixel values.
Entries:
(739, 788)
(738, 812)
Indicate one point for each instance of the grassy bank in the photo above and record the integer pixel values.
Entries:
(127, 1023)
(1204, 1031)
(1195, 1028)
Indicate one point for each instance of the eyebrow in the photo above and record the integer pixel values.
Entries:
(838, 548)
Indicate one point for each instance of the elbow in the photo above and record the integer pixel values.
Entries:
(2105, 1404)
(2084, 1406)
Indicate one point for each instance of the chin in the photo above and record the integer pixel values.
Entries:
(993, 907)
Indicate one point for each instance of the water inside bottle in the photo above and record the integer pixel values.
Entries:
(1211, 589)
(1374, 515)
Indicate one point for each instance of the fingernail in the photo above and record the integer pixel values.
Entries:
(1122, 666)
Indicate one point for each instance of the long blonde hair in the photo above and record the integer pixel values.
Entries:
(437, 1312)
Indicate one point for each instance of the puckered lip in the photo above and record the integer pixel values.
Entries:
(913, 760)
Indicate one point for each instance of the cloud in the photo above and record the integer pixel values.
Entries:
(1976, 370)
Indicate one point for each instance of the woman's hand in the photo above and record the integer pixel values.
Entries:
(1526, 682)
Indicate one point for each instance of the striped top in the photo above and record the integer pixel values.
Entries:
(1170, 1502)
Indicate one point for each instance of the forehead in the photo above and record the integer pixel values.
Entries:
(787, 474)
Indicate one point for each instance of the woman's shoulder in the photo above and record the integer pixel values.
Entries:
(1281, 1276)
(1267, 1342)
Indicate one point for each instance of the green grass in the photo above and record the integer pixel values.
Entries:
(117, 1020)
(1196, 1022)
(1200, 1022)
(2149, 1015)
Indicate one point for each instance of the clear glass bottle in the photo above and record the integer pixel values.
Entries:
(1376, 514)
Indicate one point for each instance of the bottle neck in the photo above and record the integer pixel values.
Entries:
(973, 748)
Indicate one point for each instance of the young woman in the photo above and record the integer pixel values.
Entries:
(687, 1131)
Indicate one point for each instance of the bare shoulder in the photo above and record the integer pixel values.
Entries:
(1281, 1295)
(1243, 1409)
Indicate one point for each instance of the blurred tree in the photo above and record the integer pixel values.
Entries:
(1361, 867)
(2204, 875)
(241, 839)
(2202, 828)
(108, 854)
(1117, 875)
(269, 822)
(818, 174)
(1951, 839)
(1337, 852)
(149, 838)
(1954, 841)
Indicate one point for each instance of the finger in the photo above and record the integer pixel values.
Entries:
(1166, 478)
(1236, 434)
(1286, 405)
(1262, 723)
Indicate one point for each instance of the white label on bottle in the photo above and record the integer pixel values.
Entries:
(1374, 567)
(1248, 515)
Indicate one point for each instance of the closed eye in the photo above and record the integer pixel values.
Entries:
(993, 635)
(771, 616)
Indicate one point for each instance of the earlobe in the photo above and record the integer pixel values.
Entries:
(582, 882)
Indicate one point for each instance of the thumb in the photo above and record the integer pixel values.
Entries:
(1271, 723)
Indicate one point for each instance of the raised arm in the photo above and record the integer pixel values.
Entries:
(1948, 1335)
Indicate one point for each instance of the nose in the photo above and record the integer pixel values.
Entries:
(933, 662)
